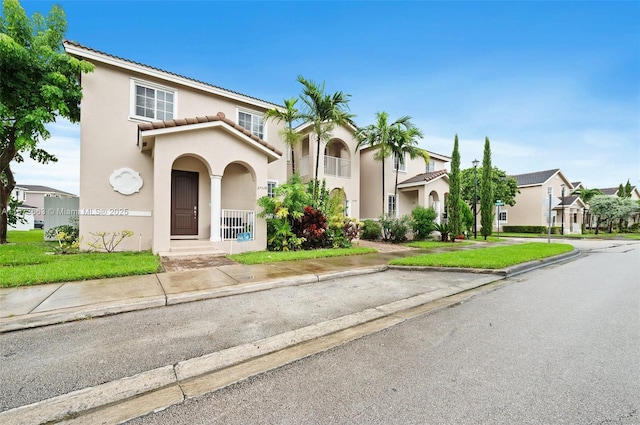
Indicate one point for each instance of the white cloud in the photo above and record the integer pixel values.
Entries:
(62, 175)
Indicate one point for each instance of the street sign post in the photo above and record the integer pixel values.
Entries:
(498, 204)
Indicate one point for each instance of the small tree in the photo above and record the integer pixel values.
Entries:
(486, 192)
(38, 82)
(423, 222)
(454, 217)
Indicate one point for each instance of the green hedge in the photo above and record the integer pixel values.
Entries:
(537, 230)
(525, 229)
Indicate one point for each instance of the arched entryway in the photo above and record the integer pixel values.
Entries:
(190, 198)
(434, 202)
(238, 201)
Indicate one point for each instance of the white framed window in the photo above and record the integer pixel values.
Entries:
(252, 121)
(431, 167)
(152, 102)
(271, 185)
(399, 163)
(502, 217)
(391, 205)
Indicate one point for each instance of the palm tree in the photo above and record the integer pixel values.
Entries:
(586, 195)
(404, 141)
(289, 114)
(324, 111)
(379, 136)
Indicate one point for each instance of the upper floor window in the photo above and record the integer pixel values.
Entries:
(399, 163)
(151, 102)
(253, 122)
(431, 167)
(271, 185)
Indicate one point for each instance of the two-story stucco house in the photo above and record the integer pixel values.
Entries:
(175, 159)
(532, 206)
(419, 184)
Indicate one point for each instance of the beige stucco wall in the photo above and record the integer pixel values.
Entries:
(371, 184)
(109, 141)
(532, 204)
(351, 185)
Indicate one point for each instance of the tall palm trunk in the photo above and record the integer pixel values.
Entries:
(383, 193)
(315, 182)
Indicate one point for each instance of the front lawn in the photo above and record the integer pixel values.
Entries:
(261, 257)
(28, 260)
(435, 244)
(495, 257)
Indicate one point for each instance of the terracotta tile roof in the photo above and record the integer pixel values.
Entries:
(73, 43)
(537, 177)
(208, 118)
(425, 177)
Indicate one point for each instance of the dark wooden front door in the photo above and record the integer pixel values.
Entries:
(184, 203)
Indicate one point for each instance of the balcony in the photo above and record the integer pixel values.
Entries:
(338, 167)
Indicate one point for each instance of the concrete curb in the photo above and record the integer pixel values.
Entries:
(157, 389)
(34, 320)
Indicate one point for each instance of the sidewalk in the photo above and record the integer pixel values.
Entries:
(375, 305)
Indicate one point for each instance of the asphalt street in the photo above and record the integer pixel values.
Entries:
(559, 345)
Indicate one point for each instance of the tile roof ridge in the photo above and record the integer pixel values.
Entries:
(82, 46)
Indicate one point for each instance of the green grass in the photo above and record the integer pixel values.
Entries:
(261, 257)
(495, 257)
(600, 235)
(28, 260)
(435, 244)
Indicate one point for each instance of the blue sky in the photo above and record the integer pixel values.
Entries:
(552, 84)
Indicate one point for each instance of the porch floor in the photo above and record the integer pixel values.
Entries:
(192, 247)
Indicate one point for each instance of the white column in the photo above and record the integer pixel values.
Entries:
(216, 207)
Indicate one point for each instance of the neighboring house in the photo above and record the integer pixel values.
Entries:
(613, 191)
(19, 193)
(532, 203)
(35, 194)
(419, 184)
(339, 163)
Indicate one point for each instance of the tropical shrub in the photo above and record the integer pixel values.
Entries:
(394, 229)
(371, 230)
(444, 230)
(423, 222)
(312, 227)
(67, 236)
(108, 241)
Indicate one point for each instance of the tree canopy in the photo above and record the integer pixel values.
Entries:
(39, 82)
(453, 204)
(504, 187)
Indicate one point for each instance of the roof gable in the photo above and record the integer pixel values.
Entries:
(424, 178)
(535, 178)
(151, 129)
(87, 53)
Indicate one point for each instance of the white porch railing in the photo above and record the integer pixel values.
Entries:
(303, 167)
(338, 167)
(233, 222)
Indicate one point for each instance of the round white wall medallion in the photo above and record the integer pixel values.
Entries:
(126, 181)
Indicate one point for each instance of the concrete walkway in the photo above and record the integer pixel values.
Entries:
(131, 396)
